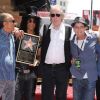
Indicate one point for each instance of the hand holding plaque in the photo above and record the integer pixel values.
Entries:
(27, 49)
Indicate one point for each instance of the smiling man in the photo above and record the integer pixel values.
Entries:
(7, 56)
(55, 56)
(83, 69)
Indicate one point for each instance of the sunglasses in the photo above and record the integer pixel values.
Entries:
(30, 21)
(12, 21)
(53, 15)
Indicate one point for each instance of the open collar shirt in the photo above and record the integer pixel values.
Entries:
(55, 52)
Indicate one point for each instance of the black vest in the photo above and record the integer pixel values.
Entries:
(46, 41)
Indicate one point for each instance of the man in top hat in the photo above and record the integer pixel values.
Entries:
(83, 69)
(27, 73)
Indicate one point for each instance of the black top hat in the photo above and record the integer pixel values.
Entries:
(79, 20)
(32, 15)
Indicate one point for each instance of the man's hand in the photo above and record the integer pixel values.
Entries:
(18, 33)
(73, 61)
(36, 63)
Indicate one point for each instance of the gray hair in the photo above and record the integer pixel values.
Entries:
(4, 15)
(57, 7)
(2, 18)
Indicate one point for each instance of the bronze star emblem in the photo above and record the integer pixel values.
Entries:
(29, 44)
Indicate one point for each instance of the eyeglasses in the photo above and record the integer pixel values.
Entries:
(30, 21)
(12, 21)
(53, 15)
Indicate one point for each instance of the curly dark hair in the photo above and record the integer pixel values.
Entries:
(23, 25)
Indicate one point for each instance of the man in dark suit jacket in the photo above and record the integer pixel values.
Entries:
(55, 56)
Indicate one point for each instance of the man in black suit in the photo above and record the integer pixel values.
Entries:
(55, 56)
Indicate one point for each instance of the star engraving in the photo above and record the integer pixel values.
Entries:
(29, 44)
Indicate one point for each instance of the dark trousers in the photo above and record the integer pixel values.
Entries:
(25, 86)
(98, 88)
(55, 80)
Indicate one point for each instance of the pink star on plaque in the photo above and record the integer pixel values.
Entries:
(29, 44)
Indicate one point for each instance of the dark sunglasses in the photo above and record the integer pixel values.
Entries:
(53, 15)
(30, 21)
(12, 21)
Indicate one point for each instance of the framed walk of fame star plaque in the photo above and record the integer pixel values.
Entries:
(27, 49)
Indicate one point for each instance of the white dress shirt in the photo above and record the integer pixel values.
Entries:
(55, 52)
